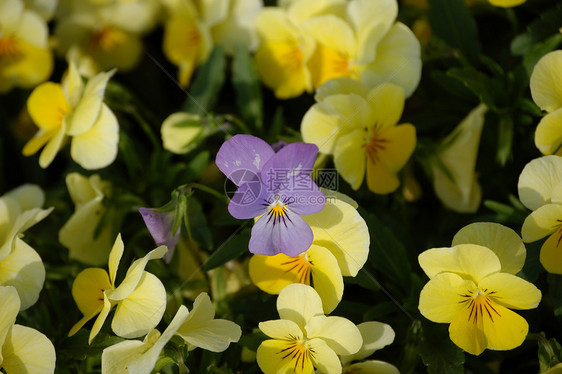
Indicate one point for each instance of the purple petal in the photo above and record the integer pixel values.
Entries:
(291, 235)
(249, 200)
(291, 160)
(305, 200)
(243, 153)
(159, 225)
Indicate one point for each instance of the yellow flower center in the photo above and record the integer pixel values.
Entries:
(9, 47)
(107, 38)
(292, 57)
(300, 266)
(298, 352)
(277, 212)
(480, 305)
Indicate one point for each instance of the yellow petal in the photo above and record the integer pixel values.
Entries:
(341, 229)
(542, 222)
(10, 13)
(299, 303)
(116, 48)
(398, 60)
(10, 310)
(340, 86)
(98, 323)
(81, 189)
(179, 130)
(387, 103)
(538, 180)
(26, 350)
(212, 335)
(97, 147)
(324, 358)
(548, 135)
(272, 273)
(379, 178)
(551, 253)
(72, 84)
(506, 3)
(546, 82)
(326, 276)
(116, 359)
(502, 240)
(141, 310)
(114, 258)
(301, 11)
(341, 335)
(33, 67)
(281, 329)
(441, 298)
(273, 359)
(468, 259)
(374, 367)
(376, 335)
(135, 272)
(24, 270)
(88, 288)
(47, 106)
(511, 291)
(348, 160)
(451, 195)
(52, 147)
(16, 222)
(28, 196)
(400, 142)
(365, 13)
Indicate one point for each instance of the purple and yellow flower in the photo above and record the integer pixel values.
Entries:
(274, 187)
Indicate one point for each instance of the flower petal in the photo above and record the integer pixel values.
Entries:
(88, 288)
(441, 298)
(380, 179)
(551, 253)
(242, 153)
(26, 350)
(98, 323)
(326, 276)
(279, 356)
(387, 103)
(502, 240)
(273, 273)
(10, 310)
(373, 366)
(142, 309)
(400, 142)
(47, 106)
(348, 160)
(250, 199)
(341, 335)
(468, 259)
(116, 359)
(159, 225)
(324, 358)
(542, 222)
(293, 159)
(376, 335)
(28, 196)
(538, 179)
(299, 303)
(548, 135)
(281, 329)
(511, 291)
(288, 234)
(546, 82)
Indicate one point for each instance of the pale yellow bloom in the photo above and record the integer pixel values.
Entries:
(458, 155)
(72, 109)
(25, 56)
(140, 299)
(78, 233)
(22, 349)
(304, 338)
(340, 248)
(20, 265)
(180, 130)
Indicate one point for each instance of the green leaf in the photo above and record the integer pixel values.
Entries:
(438, 352)
(247, 85)
(555, 292)
(198, 164)
(539, 50)
(163, 361)
(451, 21)
(505, 139)
(550, 352)
(547, 24)
(233, 247)
(490, 91)
(380, 311)
(205, 88)
(198, 224)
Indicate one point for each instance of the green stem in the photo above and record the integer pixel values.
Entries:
(237, 122)
(145, 126)
(210, 191)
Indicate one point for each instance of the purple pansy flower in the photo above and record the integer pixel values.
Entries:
(159, 225)
(275, 186)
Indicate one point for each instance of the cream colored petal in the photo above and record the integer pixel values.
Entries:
(26, 350)
(80, 189)
(24, 270)
(548, 135)
(398, 60)
(374, 367)
(332, 196)
(465, 259)
(340, 86)
(376, 335)
(332, 32)
(502, 240)
(281, 329)
(326, 276)
(97, 147)
(364, 13)
(341, 335)
(546, 81)
(301, 11)
(52, 147)
(141, 310)
(341, 229)
(387, 103)
(203, 310)
(32, 29)
(538, 179)
(367, 40)
(213, 12)
(324, 358)
(179, 130)
(350, 162)
(10, 13)
(441, 298)
(299, 303)
(213, 335)
(511, 291)
(28, 196)
(78, 325)
(238, 28)
(542, 222)
(116, 359)
(452, 197)
(10, 310)
(72, 85)
(87, 111)
(45, 8)
(98, 323)
(135, 272)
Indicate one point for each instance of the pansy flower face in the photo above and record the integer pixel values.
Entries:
(276, 187)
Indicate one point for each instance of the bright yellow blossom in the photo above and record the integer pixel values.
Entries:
(472, 286)
(360, 131)
(76, 110)
(20, 265)
(140, 299)
(304, 338)
(340, 248)
(22, 349)
(25, 56)
(540, 189)
(506, 3)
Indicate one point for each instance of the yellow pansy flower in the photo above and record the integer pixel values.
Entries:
(540, 189)
(198, 328)
(546, 83)
(78, 233)
(304, 338)
(340, 248)
(140, 299)
(506, 3)
(76, 110)
(472, 286)
(25, 56)
(22, 349)
(458, 154)
(360, 131)
(20, 265)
